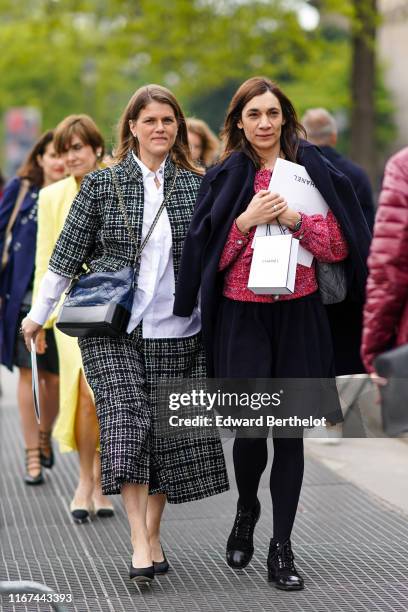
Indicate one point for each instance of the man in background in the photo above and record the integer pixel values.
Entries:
(321, 129)
(346, 318)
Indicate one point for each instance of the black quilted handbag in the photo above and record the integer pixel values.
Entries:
(332, 281)
(100, 303)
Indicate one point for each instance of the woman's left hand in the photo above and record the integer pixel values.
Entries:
(289, 218)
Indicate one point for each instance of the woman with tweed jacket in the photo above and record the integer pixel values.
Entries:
(124, 372)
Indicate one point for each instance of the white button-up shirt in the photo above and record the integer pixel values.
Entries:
(154, 296)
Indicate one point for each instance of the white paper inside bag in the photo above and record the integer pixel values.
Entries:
(273, 266)
(293, 182)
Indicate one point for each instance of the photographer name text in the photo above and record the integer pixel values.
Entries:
(260, 421)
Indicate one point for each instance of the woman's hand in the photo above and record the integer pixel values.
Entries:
(290, 218)
(264, 207)
(40, 342)
(30, 330)
(378, 381)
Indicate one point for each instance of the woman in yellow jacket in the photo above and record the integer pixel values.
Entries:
(79, 142)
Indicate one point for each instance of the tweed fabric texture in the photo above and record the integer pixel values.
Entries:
(124, 374)
(95, 232)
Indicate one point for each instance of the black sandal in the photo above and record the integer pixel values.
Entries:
(46, 450)
(33, 464)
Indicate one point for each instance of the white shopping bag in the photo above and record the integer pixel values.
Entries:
(273, 267)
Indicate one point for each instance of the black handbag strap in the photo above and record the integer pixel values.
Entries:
(22, 192)
(125, 215)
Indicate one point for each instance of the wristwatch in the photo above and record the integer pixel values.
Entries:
(298, 225)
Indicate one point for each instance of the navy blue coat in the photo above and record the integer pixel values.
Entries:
(358, 179)
(16, 277)
(225, 192)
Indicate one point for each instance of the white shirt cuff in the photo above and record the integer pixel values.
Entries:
(49, 293)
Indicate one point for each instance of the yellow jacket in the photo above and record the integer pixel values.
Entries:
(54, 203)
(53, 206)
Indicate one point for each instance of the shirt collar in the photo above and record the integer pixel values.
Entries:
(146, 172)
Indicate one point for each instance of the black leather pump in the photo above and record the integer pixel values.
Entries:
(161, 567)
(141, 575)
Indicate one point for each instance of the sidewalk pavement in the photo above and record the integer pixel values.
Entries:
(350, 544)
(377, 463)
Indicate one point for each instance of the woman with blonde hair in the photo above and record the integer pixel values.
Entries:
(204, 145)
(146, 199)
(79, 142)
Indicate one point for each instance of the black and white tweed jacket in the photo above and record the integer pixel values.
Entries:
(95, 231)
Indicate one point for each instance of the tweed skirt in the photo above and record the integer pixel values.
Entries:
(124, 374)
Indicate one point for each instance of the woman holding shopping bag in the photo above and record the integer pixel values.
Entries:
(266, 336)
(106, 226)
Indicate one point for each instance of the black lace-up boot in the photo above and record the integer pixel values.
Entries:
(240, 545)
(281, 567)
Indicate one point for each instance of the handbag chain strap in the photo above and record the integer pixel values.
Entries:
(126, 218)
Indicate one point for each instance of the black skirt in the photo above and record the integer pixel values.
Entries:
(281, 340)
(22, 358)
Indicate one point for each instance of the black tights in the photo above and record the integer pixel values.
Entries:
(250, 459)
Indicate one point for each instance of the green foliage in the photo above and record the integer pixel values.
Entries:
(67, 56)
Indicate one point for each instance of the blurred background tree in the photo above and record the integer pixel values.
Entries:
(66, 56)
(370, 126)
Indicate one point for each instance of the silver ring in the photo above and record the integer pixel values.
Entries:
(274, 208)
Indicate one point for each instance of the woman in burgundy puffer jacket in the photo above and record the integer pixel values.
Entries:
(386, 308)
